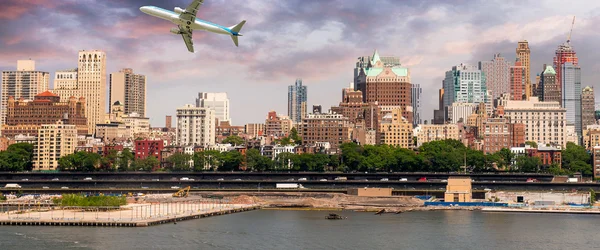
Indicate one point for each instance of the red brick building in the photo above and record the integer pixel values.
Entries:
(499, 133)
(146, 148)
(110, 147)
(548, 155)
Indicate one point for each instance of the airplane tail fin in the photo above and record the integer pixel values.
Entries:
(236, 30)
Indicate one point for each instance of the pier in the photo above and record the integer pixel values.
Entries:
(133, 215)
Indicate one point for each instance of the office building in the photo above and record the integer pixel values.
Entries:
(219, 102)
(53, 142)
(464, 83)
(548, 89)
(130, 90)
(460, 111)
(545, 122)
(65, 84)
(571, 94)
(518, 82)
(297, 97)
(333, 129)
(363, 62)
(388, 86)
(523, 55)
(195, 126)
(395, 130)
(416, 93)
(587, 107)
(91, 82)
(564, 54)
(497, 75)
(25, 82)
(26, 117)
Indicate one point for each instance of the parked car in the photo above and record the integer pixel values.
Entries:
(24, 179)
(220, 179)
(64, 188)
(155, 179)
(87, 179)
(184, 179)
(55, 179)
(384, 179)
(174, 187)
(323, 180)
(302, 179)
(45, 187)
(403, 179)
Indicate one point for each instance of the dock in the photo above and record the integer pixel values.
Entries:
(127, 216)
(544, 211)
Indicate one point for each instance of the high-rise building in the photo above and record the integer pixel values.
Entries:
(334, 129)
(587, 107)
(130, 90)
(460, 111)
(416, 93)
(523, 54)
(363, 62)
(518, 81)
(439, 114)
(388, 86)
(564, 54)
(26, 117)
(297, 97)
(571, 94)
(545, 122)
(351, 106)
(91, 82)
(464, 83)
(548, 89)
(395, 130)
(596, 161)
(53, 142)
(168, 121)
(25, 82)
(219, 102)
(65, 84)
(195, 126)
(277, 125)
(497, 75)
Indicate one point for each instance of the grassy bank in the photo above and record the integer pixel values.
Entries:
(90, 201)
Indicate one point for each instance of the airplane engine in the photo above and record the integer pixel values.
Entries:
(179, 10)
(176, 31)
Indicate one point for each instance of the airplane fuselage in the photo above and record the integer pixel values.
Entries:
(195, 24)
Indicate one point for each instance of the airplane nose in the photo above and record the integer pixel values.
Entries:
(144, 9)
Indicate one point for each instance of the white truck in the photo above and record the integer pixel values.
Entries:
(12, 185)
(288, 185)
(572, 180)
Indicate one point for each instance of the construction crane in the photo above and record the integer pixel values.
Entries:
(571, 32)
(184, 192)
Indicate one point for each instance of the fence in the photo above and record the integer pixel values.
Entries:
(465, 204)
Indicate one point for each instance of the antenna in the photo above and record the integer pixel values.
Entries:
(571, 32)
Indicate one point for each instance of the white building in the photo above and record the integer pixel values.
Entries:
(216, 101)
(25, 82)
(545, 122)
(195, 126)
(571, 134)
(416, 92)
(91, 82)
(461, 110)
(283, 149)
(65, 84)
(53, 142)
(220, 147)
(497, 75)
(464, 83)
(136, 124)
(571, 94)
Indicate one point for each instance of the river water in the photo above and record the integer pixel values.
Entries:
(270, 229)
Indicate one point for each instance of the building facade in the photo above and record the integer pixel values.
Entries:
(523, 55)
(146, 148)
(91, 82)
(26, 117)
(254, 129)
(277, 125)
(497, 75)
(195, 126)
(587, 107)
(465, 84)
(219, 102)
(334, 129)
(25, 82)
(416, 92)
(545, 122)
(395, 130)
(130, 90)
(564, 54)
(53, 142)
(571, 94)
(435, 132)
(518, 82)
(596, 161)
(386, 86)
(297, 101)
(65, 84)
(460, 111)
(549, 89)
(363, 62)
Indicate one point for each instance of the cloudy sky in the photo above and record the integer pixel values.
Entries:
(316, 40)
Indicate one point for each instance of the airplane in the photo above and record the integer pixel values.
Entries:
(186, 22)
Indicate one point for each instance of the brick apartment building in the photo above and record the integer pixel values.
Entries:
(146, 148)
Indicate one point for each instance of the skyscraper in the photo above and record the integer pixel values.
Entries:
(587, 107)
(91, 82)
(464, 83)
(297, 97)
(523, 54)
(219, 102)
(363, 62)
(497, 75)
(563, 54)
(388, 86)
(518, 82)
(130, 90)
(548, 89)
(24, 83)
(65, 84)
(571, 94)
(416, 92)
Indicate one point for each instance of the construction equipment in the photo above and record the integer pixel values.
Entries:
(571, 32)
(184, 192)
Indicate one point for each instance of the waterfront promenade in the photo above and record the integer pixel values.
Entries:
(132, 215)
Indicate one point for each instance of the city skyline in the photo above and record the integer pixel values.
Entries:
(321, 49)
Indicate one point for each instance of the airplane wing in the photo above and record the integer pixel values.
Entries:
(186, 34)
(191, 10)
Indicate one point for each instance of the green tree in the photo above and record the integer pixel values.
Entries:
(505, 157)
(80, 161)
(531, 143)
(528, 164)
(285, 160)
(234, 140)
(231, 161)
(576, 159)
(351, 155)
(443, 156)
(17, 157)
(125, 160)
(592, 197)
(179, 162)
(295, 137)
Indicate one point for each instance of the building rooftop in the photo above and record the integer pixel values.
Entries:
(46, 94)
